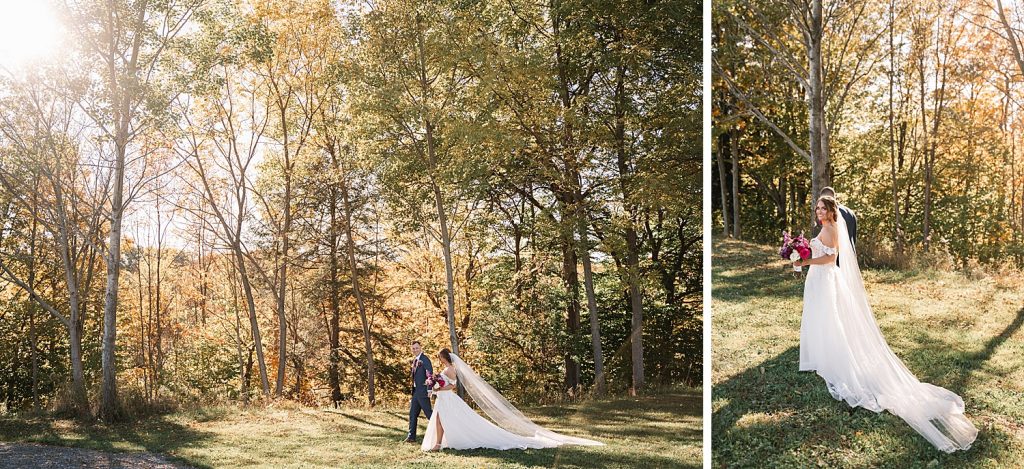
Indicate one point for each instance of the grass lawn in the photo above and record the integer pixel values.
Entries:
(662, 430)
(951, 331)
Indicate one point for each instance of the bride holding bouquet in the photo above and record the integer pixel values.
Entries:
(840, 340)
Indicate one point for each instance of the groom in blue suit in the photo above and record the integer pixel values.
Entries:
(419, 368)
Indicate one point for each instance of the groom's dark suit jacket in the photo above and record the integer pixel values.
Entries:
(851, 223)
(419, 376)
(851, 226)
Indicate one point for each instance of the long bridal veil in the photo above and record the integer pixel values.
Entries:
(875, 378)
(503, 413)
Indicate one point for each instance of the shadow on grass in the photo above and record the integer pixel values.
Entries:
(155, 435)
(390, 429)
(646, 432)
(742, 271)
(782, 417)
(612, 422)
(938, 359)
(773, 414)
(577, 456)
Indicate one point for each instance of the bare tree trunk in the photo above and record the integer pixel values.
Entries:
(74, 320)
(446, 249)
(818, 148)
(632, 248)
(333, 372)
(896, 229)
(244, 367)
(442, 217)
(570, 176)
(360, 302)
(282, 260)
(931, 140)
(109, 405)
(32, 311)
(600, 382)
(723, 187)
(570, 279)
(1015, 46)
(353, 269)
(734, 148)
(253, 323)
(237, 163)
(636, 305)
(204, 272)
(123, 90)
(792, 207)
(926, 232)
(34, 353)
(143, 357)
(160, 309)
(1011, 36)
(282, 320)
(62, 231)
(282, 276)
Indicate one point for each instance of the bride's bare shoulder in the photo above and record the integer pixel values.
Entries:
(831, 235)
(449, 372)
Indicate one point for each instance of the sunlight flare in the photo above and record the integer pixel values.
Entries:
(29, 31)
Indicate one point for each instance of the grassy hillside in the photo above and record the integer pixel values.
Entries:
(958, 333)
(649, 432)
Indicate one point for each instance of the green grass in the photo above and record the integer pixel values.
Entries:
(957, 333)
(661, 430)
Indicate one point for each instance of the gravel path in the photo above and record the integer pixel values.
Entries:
(27, 455)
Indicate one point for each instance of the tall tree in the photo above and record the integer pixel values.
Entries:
(44, 162)
(128, 42)
(222, 136)
(417, 76)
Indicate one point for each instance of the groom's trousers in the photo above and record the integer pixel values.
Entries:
(418, 403)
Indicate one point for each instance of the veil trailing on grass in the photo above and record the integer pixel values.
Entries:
(503, 413)
(875, 378)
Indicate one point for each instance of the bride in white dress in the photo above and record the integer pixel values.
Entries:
(840, 340)
(455, 425)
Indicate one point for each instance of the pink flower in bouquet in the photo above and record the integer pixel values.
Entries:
(795, 248)
(435, 381)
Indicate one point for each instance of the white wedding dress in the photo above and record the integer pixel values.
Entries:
(840, 340)
(466, 429)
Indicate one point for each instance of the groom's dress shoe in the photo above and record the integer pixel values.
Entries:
(409, 440)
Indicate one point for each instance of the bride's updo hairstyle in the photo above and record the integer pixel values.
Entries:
(446, 354)
(831, 206)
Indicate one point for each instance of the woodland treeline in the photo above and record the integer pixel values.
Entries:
(214, 200)
(910, 109)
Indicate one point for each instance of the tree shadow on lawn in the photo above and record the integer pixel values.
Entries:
(936, 358)
(401, 429)
(157, 435)
(749, 277)
(580, 456)
(790, 415)
(615, 423)
(631, 416)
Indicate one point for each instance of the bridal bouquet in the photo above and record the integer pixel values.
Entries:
(795, 248)
(435, 381)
